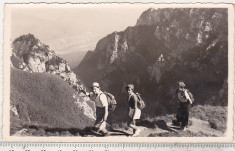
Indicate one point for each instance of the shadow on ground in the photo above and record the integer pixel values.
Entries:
(45, 131)
(162, 124)
(159, 123)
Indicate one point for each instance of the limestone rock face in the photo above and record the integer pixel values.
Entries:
(165, 46)
(37, 57)
(31, 61)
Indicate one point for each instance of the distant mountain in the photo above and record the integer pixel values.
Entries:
(44, 89)
(82, 42)
(165, 46)
(74, 47)
(74, 58)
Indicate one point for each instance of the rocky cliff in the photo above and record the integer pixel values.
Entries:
(165, 45)
(35, 56)
(44, 89)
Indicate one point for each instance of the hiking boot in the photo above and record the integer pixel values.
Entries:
(137, 132)
(130, 135)
(96, 132)
(107, 134)
(184, 128)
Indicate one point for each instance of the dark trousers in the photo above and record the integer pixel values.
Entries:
(183, 113)
(100, 111)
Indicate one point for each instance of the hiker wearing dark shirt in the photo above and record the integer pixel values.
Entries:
(101, 104)
(182, 116)
(133, 110)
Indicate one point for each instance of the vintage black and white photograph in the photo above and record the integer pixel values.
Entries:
(118, 72)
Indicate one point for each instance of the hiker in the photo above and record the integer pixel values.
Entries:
(182, 116)
(101, 104)
(133, 110)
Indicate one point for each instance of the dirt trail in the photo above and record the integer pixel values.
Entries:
(197, 127)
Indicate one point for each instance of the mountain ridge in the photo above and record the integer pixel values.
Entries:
(44, 89)
(165, 46)
(151, 55)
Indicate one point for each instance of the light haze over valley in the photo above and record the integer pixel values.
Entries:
(72, 32)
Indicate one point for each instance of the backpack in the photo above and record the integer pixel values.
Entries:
(112, 103)
(190, 95)
(140, 103)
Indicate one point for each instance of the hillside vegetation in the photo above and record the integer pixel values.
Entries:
(45, 100)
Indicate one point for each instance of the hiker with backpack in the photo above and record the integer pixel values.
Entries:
(185, 99)
(101, 104)
(133, 109)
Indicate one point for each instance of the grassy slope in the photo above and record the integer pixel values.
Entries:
(46, 107)
(43, 99)
(204, 121)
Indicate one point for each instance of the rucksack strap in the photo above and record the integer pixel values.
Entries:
(182, 98)
(129, 97)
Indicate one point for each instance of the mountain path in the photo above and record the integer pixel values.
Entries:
(197, 126)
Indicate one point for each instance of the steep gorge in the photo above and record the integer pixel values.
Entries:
(165, 46)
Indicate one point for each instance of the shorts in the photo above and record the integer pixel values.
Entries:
(137, 115)
(132, 120)
(100, 111)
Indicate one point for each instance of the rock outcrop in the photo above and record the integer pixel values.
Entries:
(165, 46)
(44, 100)
(44, 89)
(35, 56)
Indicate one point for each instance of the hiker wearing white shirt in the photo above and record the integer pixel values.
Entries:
(101, 104)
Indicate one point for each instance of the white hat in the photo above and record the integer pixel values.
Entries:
(95, 84)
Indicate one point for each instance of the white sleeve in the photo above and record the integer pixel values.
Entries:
(103, 100)
(187, 96)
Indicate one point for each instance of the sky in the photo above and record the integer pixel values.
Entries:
(63, 27)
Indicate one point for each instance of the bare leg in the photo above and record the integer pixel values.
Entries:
(133, 126)
(104, 131)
